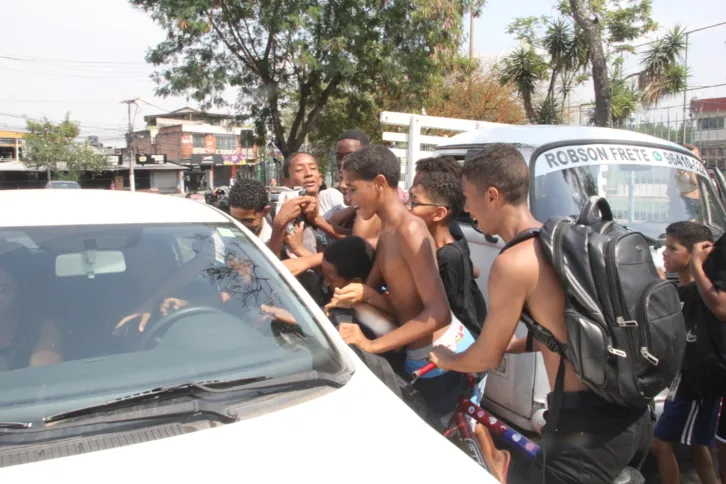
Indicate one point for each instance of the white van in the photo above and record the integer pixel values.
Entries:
(649, 183)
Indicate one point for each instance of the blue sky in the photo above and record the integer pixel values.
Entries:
(111, 31)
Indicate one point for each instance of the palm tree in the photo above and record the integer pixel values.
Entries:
(663, 71)
(524, 68)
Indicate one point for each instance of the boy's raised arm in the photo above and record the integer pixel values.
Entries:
(418, 251)
(713, 296)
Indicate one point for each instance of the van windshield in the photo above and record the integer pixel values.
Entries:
(647, 188)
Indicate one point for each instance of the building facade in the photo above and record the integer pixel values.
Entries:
(212, 147)
(709, 129)
(11, 145)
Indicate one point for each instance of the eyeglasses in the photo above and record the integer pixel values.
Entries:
(411, 205)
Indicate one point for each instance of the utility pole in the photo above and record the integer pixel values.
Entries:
(471, 35)
(129, 147)
(685, 90)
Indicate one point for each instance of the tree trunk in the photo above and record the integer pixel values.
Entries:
(529, 108)
(589, 23)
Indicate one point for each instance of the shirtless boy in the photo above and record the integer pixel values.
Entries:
(593, 441)
(406, 261)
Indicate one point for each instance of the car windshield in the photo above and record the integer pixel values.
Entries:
(210, 304)
(647, 188)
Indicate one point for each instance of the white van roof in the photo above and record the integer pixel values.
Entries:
(538, 135)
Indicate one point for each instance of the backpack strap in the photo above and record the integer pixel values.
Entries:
(544, 336)
(525, 234)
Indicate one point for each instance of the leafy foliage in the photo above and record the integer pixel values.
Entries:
(52, 147)
(478, 95)
(288, 58)
(593, 34)
(554, 49)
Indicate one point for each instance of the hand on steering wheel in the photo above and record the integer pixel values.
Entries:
(172, 304)
(143, 318)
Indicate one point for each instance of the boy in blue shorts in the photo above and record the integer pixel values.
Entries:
(406, 264)
(689, 417)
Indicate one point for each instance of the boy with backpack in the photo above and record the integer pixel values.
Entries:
(688, 416)
(594, 440)
(436, 198)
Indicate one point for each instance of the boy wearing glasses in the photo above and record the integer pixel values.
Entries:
(436, 198)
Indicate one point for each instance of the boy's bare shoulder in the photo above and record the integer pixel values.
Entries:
(412, 230)
(520, 261)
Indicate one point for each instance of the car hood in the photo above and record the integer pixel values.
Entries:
(359, 433)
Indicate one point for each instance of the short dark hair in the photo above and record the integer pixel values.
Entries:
(248, 194)
(445, 164)
(502, 166)
(352, 257)
(689, 233)
(373, 160)
(445, 189)
(288, 161)
(355, 134)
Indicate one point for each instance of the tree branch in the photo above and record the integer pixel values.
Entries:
(322, 100)
(235, 52)
(252, 40)
(232, 29)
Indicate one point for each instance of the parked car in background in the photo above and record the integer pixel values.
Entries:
(62, 184)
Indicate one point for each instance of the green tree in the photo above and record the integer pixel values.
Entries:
(595, 35)
(610, 28)
(469, 92)
(554, 50)
(288, 58)
(51, 147)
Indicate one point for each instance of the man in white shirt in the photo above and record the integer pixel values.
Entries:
(308, 202)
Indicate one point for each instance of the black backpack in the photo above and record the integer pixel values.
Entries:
(626, 332)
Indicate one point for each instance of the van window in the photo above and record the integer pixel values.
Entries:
(648, 188)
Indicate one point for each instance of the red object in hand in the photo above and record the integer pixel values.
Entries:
(422, 371)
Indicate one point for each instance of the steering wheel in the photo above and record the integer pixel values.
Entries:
(150, 335)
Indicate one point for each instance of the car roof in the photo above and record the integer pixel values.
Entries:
(34, 208)
(538, 135)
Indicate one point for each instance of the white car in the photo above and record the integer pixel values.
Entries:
(243, 378)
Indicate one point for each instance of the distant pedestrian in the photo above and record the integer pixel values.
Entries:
(273, 182)
(112, 186)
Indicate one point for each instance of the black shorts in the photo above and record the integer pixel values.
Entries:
(594, 442)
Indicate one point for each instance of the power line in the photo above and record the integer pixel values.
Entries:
(705, 87)
(685, 33)
(60, 74)
(67, 61)
(80, 125)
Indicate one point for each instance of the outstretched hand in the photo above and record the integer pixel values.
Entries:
(348, 296)
(352, 335)
(442, 357)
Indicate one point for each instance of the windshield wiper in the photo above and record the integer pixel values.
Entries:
(296, 381)
(169, 391)
(15, 425)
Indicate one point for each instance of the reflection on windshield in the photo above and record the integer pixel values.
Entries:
(644, 198)
(148, 306)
